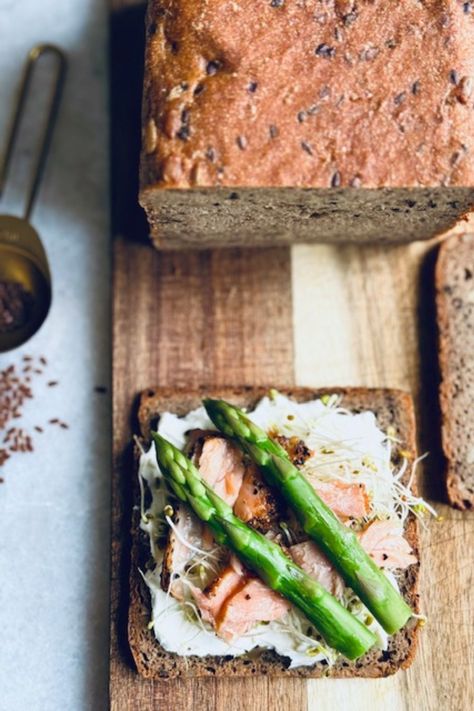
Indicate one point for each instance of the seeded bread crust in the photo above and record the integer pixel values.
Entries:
(282, 121)
(455, 308)
(392, 408)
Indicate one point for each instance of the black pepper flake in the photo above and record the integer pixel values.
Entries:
(213, 67)
(234, 196)
(252, 87)
(454, 77)
(325, 51)
(174, 47)
(273, 131)
(467, 7)
(198, 89)
(336, 180)
(384, 556)
(415, 87)
(301, 116)
(242, 142)
(306, 147)
(391, 43)
(400, 98)
(211, 154)
(277, 3)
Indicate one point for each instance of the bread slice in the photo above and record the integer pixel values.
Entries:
(392, 408)
(455, 308)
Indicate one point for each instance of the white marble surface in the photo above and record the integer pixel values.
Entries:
(54, 504)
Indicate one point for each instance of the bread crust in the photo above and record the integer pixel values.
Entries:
(392, 407)
(266, 94)
(455, 314)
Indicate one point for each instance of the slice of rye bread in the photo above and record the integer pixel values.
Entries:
(455, 309)
(392, 408)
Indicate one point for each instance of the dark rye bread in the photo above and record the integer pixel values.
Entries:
(281, 121)
(455, 308)
(393, 408)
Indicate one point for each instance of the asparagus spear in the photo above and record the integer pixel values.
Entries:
(340, 629)
(337, 541)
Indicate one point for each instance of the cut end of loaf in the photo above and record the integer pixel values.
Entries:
(220, 217)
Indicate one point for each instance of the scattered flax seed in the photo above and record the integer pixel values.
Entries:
(15, 391)
(54, 421)
(52, 383)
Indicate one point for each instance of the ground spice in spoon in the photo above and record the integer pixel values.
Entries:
(16, 304)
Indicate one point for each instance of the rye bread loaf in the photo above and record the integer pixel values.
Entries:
(455, 308)
(392, 408)
(282, 121)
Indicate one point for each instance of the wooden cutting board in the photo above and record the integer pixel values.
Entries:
(315, 316)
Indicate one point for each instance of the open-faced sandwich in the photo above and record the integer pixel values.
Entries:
(276, 534)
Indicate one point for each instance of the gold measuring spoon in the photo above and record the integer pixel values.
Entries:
(25, 279)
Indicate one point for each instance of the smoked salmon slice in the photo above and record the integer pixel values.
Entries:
(222, 466)
(211, 600)
(344, 499)
(384, 542)
(313, 561)
(235, 602)
(254, 602)
(255, 504)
